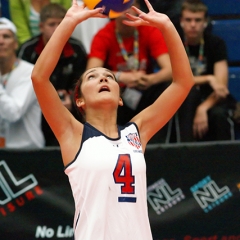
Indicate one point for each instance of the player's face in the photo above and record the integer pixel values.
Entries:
(8, 44)
(99, 86)
(48, 27)
(193, 24)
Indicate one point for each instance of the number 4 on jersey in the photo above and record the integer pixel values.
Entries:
(123, 174)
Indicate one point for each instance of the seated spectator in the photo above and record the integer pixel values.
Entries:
(204, 115)
(25, 14)
(71, 64)
(20, 114)
(129, 52)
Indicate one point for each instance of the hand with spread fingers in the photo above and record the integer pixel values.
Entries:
(152, 18)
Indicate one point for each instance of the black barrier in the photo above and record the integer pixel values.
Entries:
(36, 200)
(193, 193)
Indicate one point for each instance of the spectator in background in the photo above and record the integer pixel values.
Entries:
(20, 114)
(25, 15)
(204, 115)
(129, 52)
(71, 64)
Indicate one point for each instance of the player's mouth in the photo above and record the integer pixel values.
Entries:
(104, 88)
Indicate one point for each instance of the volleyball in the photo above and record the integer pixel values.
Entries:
(112, 8)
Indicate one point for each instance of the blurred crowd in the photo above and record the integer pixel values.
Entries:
(138, 56)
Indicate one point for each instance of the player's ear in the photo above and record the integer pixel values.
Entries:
(80, 102)
(120, 103)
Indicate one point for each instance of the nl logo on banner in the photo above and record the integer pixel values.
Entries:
(15, 192)
(209, 195)
(162, 197)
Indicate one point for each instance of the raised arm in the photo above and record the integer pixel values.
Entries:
(153, 118)
(58, 117)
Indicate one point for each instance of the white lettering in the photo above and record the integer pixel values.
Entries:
(63, 234)
(43, 232)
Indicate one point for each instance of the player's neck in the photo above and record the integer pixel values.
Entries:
(104, 123)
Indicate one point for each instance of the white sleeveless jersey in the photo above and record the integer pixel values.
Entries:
(108, 181)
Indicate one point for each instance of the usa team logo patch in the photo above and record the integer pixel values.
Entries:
(133, 140)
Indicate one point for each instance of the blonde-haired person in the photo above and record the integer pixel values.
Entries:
(25, 15)
(105, 162)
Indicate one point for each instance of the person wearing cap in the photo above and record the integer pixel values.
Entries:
(20, 114)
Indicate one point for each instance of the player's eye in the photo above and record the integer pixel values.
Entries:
(110, 76)
(91, 77)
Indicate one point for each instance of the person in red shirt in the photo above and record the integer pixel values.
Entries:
(135, 55)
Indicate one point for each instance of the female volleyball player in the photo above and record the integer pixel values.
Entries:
(105, 162)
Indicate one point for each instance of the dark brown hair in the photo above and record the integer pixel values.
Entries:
(77, 94)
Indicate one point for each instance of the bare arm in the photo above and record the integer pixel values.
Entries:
(62, 123)
(160, 112)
